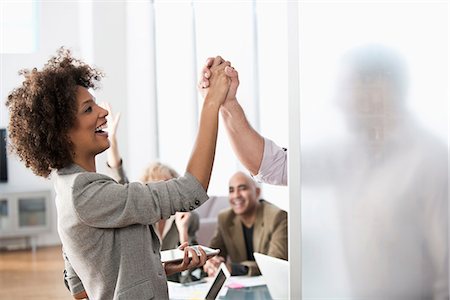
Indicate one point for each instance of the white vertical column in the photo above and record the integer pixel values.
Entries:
(256, 61)
(142, 119)
(194, 98)
(109, 49)
(294, 217)
(86, 33)
(176, 72)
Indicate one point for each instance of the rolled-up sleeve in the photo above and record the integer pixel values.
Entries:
(101, 202)
(71, 278)
(273, 169)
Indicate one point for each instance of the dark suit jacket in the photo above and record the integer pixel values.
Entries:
(269, 235)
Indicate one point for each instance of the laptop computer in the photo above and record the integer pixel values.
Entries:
(276, 274)
(218, 282)
(200, 289)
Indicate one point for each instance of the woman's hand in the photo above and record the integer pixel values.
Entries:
(203, 84)
(219, 82)
(182, 223)
(188, 262)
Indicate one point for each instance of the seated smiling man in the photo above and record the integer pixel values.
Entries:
(249, 225)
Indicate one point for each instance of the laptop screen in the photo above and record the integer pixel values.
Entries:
(218, 282)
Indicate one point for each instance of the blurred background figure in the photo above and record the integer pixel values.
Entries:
(389, 181)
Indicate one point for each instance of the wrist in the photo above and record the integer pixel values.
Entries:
(184, 236)
(230, 102)
(229, 107)
(211, 103)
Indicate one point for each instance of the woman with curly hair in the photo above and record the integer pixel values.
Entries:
(57, 128)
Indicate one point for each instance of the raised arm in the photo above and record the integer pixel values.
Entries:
(114, 159)
(202, 158)
(247, 144)
(113, 154)
(245, 141)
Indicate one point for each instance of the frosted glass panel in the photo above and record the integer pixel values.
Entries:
(374, 150)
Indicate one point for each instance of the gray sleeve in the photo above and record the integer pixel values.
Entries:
(100, 202)
(74, 283)
(118, 173)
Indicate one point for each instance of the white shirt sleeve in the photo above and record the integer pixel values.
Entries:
(273, 169)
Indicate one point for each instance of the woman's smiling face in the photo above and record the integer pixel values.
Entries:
(87, 135)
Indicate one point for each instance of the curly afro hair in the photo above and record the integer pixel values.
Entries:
(43, 109)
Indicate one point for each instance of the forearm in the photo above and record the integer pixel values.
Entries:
(202, 158)
(113, 154)
(183, 236)
(247, 144)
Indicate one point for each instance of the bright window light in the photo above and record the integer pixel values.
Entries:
(18, 24)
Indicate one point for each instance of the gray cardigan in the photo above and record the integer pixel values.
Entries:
(104, 229)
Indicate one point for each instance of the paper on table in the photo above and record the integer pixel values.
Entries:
(236, 282)
(192, 292)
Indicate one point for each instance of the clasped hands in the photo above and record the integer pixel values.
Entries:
(218, 67)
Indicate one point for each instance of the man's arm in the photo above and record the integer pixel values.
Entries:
(217, 242)
(247, 144)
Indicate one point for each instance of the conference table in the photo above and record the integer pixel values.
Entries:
(239, 288)
(248, 293)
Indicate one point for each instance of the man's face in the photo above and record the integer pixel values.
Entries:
(370, 103)
(243, 194)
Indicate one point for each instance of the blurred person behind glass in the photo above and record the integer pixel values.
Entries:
(389, 177)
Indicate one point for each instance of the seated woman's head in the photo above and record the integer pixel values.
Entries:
(157, 171)
(44, 111)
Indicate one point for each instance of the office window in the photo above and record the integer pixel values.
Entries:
(19, 26)
(256, 44)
